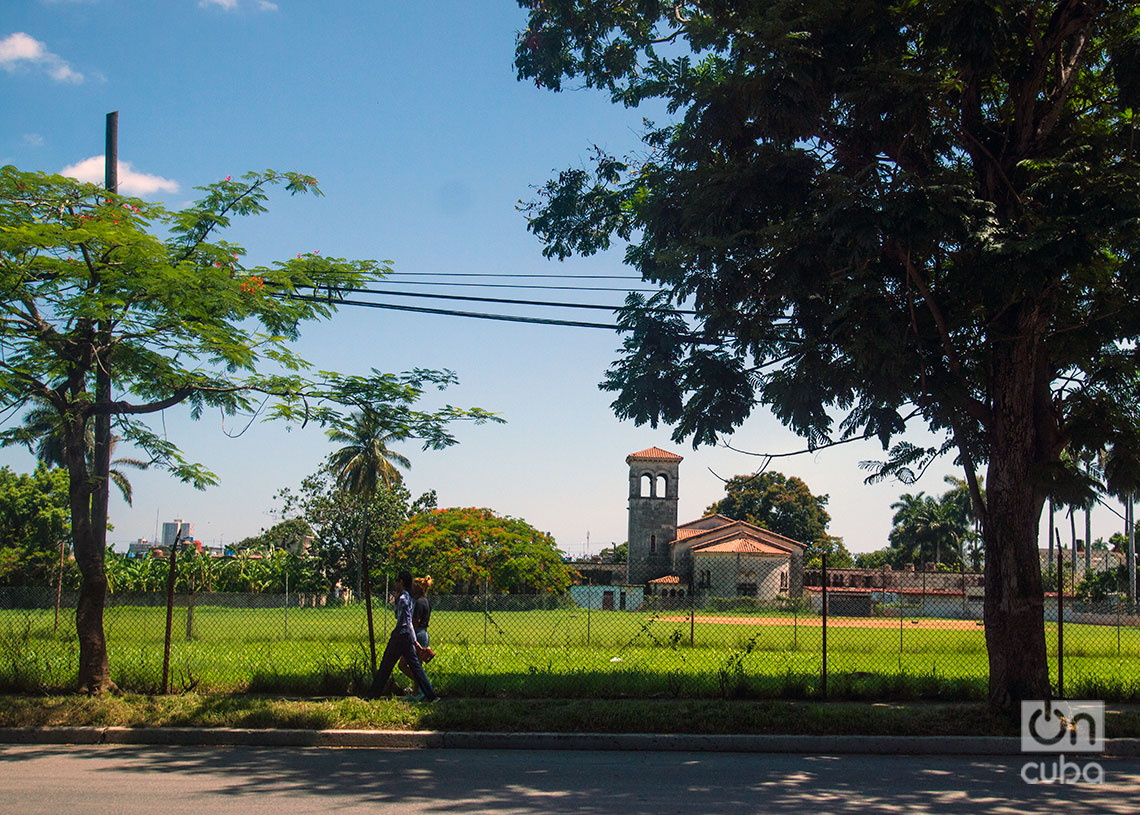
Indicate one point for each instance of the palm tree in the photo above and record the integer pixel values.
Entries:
(43, 435)
(365, 461)
(360, 466)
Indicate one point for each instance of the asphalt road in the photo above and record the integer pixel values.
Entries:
(126, 780)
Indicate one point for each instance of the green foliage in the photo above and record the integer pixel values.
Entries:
(191, 322)
(339, 520)
(837, 555)
(249, 571)
(774, 501)
(874, 560)
(861, 201)
(462, 548)
(34, 520)
(289, 535)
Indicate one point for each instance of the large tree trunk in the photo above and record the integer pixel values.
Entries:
(1020, 440)
(90, 539)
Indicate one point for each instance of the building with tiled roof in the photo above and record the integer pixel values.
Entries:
(714, 556)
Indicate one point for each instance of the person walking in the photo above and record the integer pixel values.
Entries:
(402, 643)
(421, 617)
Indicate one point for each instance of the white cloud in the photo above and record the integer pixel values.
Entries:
(33, 140)
(231, 5)
(130, 182)
(19, 49)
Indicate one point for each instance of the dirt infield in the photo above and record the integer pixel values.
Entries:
(839, 622)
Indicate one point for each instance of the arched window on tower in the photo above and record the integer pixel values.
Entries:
(646, 486)
(662, 486)
(652, 544)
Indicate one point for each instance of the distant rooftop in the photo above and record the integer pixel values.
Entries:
(653, 454)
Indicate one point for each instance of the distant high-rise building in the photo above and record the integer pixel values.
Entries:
(171, 530)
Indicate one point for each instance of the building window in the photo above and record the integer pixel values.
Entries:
(706, 578)
(652, 544)
(646, 486)
(661, 487)
(783, 581)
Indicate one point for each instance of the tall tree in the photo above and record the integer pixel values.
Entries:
(463, 547)
(361, 467)
(776, 502)
(881, 213)
(112, 308)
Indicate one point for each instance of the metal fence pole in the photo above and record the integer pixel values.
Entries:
(286, 603)
(169, 615)
(1060, 625)
(589, 604)
(485, 611)
(823, 580)
(190, 611)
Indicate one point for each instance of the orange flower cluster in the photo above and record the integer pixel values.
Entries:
(252, 285)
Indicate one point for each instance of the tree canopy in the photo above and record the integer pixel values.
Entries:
(777, 502)
(462, 548)
(113, 309)
(34, 521)
(881, 214)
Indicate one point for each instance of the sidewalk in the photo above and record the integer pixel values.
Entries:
(419, 739)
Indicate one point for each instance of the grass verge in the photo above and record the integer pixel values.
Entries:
(522, 715)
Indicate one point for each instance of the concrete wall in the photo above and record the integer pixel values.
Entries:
(727, 570)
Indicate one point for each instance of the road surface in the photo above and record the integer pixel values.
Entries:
(131, 780)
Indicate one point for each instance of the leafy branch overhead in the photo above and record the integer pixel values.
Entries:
(113, 309)
(188, 320)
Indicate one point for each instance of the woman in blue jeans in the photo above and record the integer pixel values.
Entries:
(421, 617)
(402, 644)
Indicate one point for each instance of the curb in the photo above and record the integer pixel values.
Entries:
(646, 742)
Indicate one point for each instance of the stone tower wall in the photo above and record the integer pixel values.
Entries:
(652, 520)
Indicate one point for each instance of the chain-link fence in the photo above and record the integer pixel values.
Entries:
(740, 626)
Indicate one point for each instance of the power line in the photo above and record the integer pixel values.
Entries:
(452, 313)
(518, 274)
(532, 286)
(501, 300)
(316, 273)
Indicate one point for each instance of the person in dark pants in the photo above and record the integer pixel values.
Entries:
(402, 643)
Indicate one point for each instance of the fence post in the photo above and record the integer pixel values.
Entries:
(1060, 625)
(692, 614)
(589, 604)
(484, 611)
(823, 575)
(190, 611)
(287, 603)
(59, 586)
(169, 615)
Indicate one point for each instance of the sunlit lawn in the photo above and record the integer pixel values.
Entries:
(568, 652)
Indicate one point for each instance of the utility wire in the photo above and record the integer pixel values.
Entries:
(451, 313)
(516, 274)
(502, 300)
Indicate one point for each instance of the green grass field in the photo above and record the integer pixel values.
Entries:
(555, 653)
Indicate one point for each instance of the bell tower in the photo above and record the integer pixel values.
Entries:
(652, 513)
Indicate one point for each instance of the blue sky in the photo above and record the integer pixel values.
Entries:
(410, 116)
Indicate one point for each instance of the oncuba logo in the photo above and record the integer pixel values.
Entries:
(1062, 727)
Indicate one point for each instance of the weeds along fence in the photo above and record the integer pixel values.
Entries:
(737, 633)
